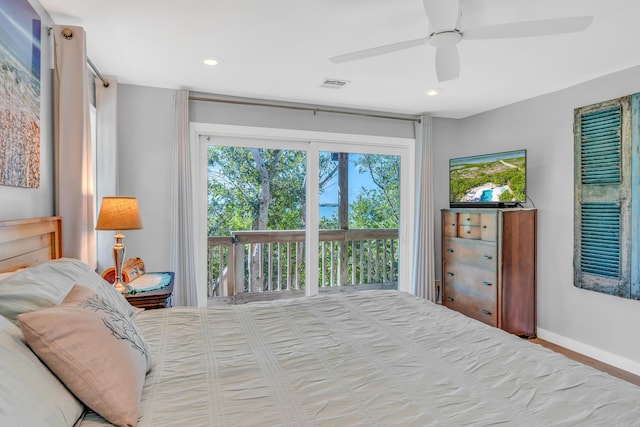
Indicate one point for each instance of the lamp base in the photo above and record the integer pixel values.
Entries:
(118, 257)
(121, 287)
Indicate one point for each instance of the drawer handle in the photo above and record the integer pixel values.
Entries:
(484, 226)
(487, 257)
(487, 283)
(449, 299)
(486, 312)
(453, 224)
(450, 251)
(468, 219)
(450, 274)
(468, 231)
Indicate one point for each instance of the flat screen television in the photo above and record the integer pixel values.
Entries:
(488, 180)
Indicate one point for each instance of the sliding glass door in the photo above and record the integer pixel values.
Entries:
(292, 216)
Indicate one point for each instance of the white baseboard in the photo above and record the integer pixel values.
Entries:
(593, 352)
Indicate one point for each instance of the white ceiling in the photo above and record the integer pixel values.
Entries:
(279, 49)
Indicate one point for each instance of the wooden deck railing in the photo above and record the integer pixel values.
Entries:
(258, 261)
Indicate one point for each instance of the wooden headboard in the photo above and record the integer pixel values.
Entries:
(26, 242)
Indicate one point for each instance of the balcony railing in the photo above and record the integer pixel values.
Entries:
(251, 262)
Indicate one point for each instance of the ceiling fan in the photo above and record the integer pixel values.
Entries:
(445, 33)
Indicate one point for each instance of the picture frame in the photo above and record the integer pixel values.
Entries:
(20, 35)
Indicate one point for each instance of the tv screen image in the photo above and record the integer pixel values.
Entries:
(490, 179)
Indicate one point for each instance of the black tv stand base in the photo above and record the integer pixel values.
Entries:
(494, 205)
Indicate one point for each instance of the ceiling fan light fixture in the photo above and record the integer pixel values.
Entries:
(445, 38)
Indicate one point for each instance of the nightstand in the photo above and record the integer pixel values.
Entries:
(158, 298)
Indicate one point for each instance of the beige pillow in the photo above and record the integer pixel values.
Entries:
(95, 350)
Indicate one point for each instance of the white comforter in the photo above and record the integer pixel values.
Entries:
(362, 359)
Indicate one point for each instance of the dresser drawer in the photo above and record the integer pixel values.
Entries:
(474, 281)
(469, 231)
(469, 225)
(488, 226)
(465, 218)
(470, 252)
(478, 308)
(450, 224)
(477, 226)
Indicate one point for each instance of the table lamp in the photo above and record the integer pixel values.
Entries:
(119, 213)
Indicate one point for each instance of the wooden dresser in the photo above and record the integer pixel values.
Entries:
(489, 266)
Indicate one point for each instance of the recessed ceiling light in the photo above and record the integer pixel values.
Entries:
(434, 91)
(211, 61)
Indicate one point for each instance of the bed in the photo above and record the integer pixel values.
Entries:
(362, 358)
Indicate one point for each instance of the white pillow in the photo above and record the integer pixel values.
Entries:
(47, 284)
(5, 275)
(30, 395)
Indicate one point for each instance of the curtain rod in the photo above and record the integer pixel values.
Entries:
(294, 107)
(97, 72)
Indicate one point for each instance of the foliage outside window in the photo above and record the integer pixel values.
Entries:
(265, 189)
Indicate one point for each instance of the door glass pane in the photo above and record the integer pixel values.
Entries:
(256, 219)
(359, 195)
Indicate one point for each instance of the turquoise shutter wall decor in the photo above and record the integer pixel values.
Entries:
(600, 242)
(607, 178)
(600, 150)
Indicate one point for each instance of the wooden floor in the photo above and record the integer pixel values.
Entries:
(611, 370)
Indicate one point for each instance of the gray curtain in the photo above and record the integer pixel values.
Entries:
(424, 260)
(72, 138)
(183, 239)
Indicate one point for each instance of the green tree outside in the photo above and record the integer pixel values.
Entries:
(252, 189)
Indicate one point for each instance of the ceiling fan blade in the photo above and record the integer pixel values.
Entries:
(442, 14)
(375, 51)
(447, 63)
(544, 27)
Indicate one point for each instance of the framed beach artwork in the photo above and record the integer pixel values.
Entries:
(19, 94)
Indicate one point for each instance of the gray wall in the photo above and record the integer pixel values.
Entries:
(145, 149)
(145, 152)
(544, 126)
(285, 118)
(18, 203)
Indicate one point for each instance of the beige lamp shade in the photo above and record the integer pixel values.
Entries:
(119, 213)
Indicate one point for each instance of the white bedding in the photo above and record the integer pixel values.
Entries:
(362, 359)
